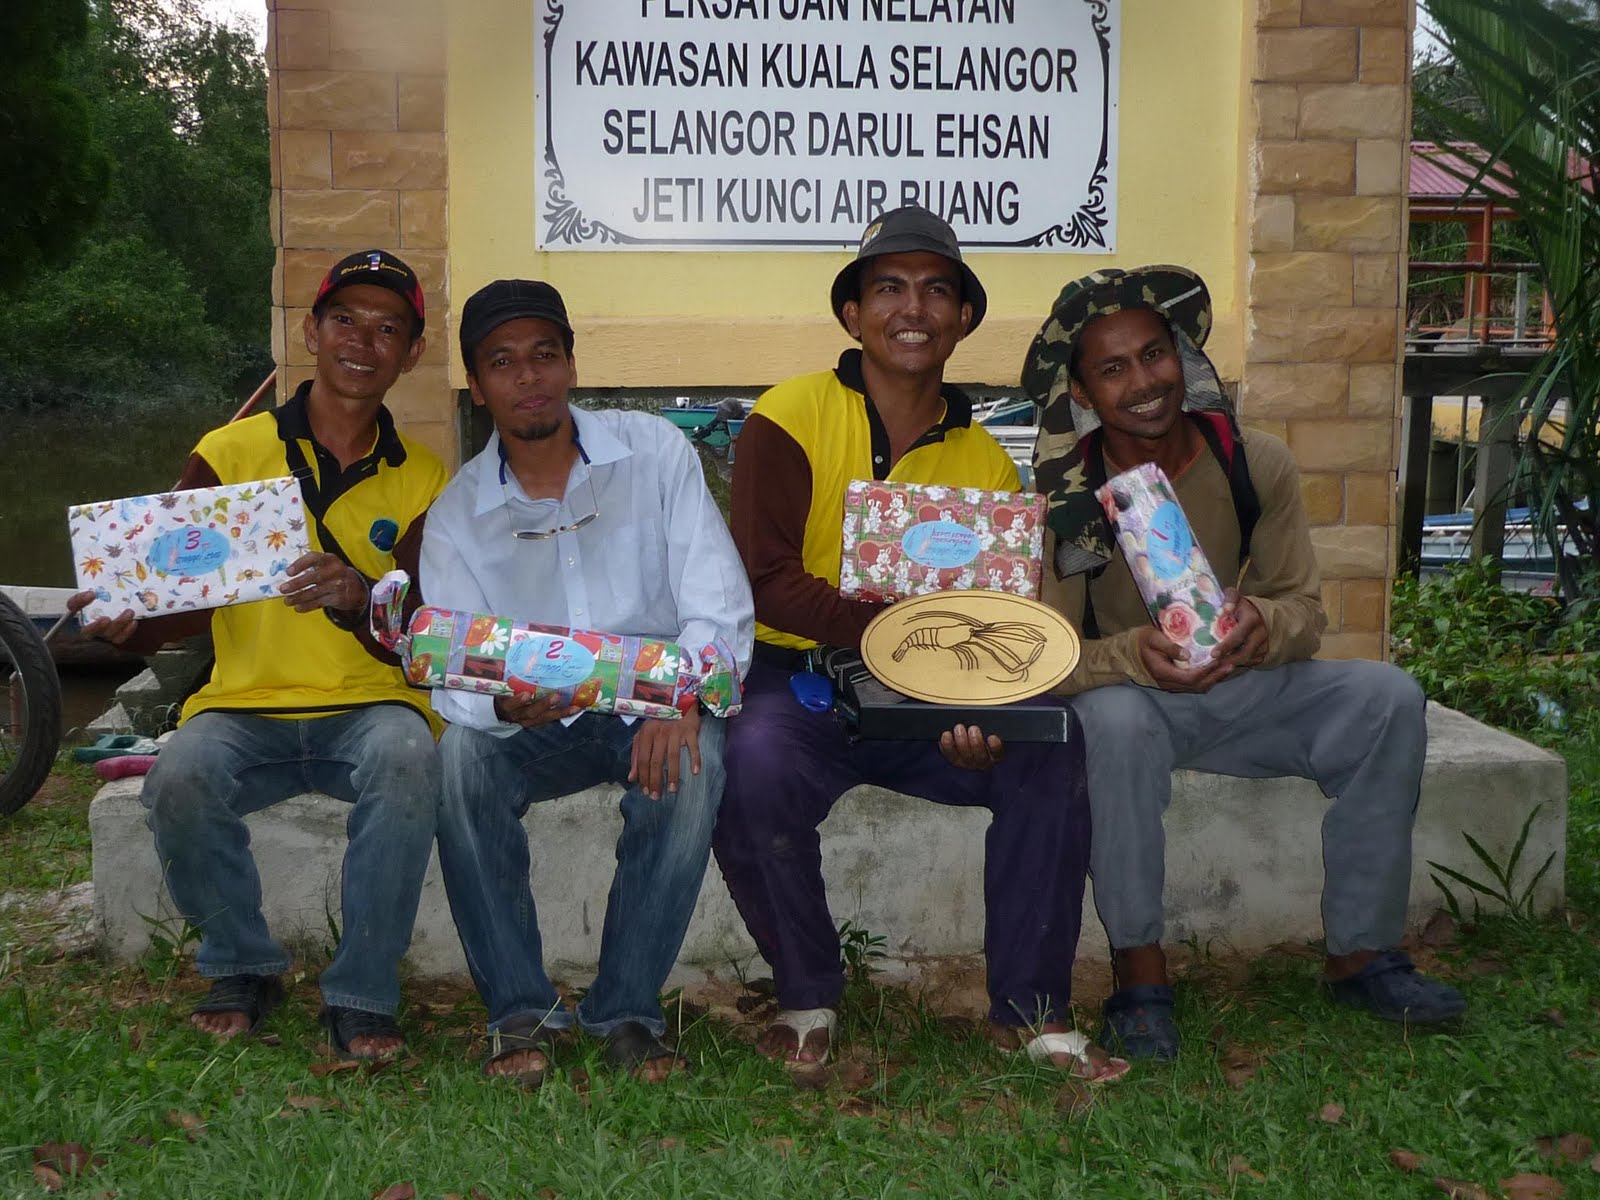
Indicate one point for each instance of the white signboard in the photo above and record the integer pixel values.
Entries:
(792, 124)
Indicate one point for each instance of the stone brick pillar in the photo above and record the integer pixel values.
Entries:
(1330, 98)
(356, 103)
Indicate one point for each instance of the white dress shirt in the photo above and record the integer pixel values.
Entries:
(657, 561)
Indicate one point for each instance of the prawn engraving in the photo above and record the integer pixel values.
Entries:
(1012, 646)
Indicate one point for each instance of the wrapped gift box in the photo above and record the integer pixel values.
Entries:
(908, 539)
(175, 551)
(1179, 588)
(610, 673)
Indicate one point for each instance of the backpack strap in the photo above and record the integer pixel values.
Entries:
(1228, 449)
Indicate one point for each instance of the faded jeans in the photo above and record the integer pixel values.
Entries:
(221, 766)
(661, 859)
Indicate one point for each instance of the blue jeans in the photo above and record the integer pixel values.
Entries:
(221, 766)
(661, 858)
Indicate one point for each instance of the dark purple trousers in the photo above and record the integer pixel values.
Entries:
(787, 766)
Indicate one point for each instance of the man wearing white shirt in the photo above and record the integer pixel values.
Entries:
(593, 520)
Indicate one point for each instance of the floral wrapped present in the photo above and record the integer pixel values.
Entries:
(908, 539)
(1177, 583)
(610, 673)
(204, 548)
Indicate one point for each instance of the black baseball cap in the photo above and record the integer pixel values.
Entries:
(906, 231)
(378, 268)
(504, 300)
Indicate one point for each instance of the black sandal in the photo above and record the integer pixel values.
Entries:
(630, 1046)
(345, 1025)
(526, 1033)
(253, 995)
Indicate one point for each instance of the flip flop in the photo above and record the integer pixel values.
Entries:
(345, 1025)
(804, 1022)
(631, 1045)
(504, 1042)
(1043, 1047)
(253, 995)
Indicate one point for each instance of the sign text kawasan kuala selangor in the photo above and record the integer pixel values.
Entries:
(694, 124)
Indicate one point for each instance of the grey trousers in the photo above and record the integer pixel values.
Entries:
(1356, 728)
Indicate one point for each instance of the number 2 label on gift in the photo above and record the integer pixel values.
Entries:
(188, 552)
(547, 661)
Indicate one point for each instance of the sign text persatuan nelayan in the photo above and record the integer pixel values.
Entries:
(792, 124)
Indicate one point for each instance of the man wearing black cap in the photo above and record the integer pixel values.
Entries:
(588, 520)
(301, 698)
(885, 413)
(1120, 374)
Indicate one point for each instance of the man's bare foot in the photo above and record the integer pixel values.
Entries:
(799, 1037)
(377, 1047)
(221, 1026)
(357, 1033)
(631, 1047)
(237, 1004)
(1090, 1064)
(527, 1067)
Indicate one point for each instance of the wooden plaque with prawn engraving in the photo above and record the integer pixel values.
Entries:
(970, 647)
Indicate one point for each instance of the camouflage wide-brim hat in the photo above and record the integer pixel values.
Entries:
(1177, 293)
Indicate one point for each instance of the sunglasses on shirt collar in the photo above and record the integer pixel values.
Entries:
(538, 535)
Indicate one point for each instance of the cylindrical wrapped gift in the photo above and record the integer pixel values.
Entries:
(609, 673)
(1180, 589)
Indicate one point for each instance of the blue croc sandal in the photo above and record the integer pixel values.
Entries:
(1140, 1022)
(1391, 987)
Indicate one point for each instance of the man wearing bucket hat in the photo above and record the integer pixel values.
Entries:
(1120, 374)
(883, 413)
(300, 697)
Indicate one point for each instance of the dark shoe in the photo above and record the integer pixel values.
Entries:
(253, 995)
(1139, 1022)
(345, 1025)
(630, 1046)
(517, 1035)
(1391, 987)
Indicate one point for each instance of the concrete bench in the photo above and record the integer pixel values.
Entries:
(1244, 864)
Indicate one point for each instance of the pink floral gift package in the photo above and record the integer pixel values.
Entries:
(1177, 583)
(908, 539)
(177, 551)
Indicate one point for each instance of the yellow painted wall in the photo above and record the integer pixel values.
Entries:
(752, 318)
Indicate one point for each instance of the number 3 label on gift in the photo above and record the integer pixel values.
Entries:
(550, 662)
(188, 552)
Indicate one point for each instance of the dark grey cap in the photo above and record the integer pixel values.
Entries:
(906, 231)
(504, 300)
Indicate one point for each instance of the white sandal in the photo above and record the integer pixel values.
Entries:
(805, 1022)
(1044, 1046)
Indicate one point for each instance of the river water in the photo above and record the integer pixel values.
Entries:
(51, 458)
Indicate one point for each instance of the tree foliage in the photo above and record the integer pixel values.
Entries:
(172, 287)
(1534, 75)
(52, 174)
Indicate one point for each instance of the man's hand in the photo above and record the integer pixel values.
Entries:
(966, 747)
(115, 630)
(533, 710)
(1164, 659)
(318, 580)
(655, 748)
(1246, 643)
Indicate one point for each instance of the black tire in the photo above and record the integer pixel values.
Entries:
(30, 709)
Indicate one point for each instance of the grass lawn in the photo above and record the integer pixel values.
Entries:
(1277, 1095)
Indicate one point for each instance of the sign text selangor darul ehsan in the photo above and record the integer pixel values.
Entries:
(694, 124)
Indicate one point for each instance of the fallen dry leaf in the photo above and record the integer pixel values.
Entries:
(66, 1158)
(184, 1120)
(1594, 1164)
(1239, 1066)
(854, 1076)
(47, 1177)
(1295, 950)
(396, 1191)
(812, 1077)
(668, 1143)
(1550, 1016)
(322, 1070)
(1074, 1098)
(306, 1103)
(1406, 1160)
(1532, 1187)
(1459, 1189)
(480, 1194)
(1331, 1113)
(854, 1106)
(1488, 965)
(1239, 1165)
(270, 1039)
(1570, 1148)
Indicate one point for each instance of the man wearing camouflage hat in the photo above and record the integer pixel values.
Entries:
(1121, 378)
